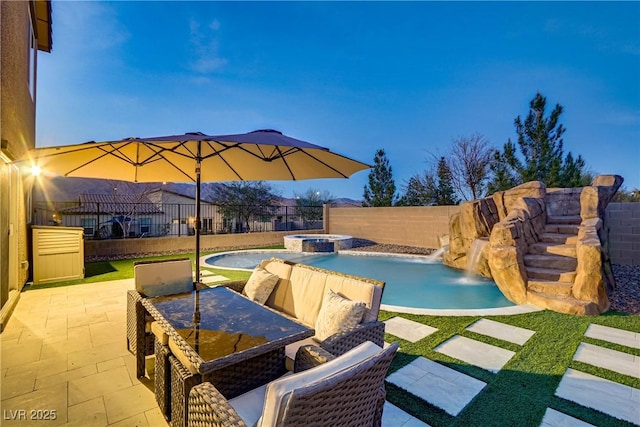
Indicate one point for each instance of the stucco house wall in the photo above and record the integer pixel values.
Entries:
(24, 29)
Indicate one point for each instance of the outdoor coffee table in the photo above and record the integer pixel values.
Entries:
(237, 345)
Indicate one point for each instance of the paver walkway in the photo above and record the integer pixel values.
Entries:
(444, 387)
(451, 390)
(617, 400)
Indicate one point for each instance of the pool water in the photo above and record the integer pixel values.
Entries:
(410, 281)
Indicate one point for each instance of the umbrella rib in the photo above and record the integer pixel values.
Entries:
(316, 159)
(218, 153)
(105, 153)
(285, 162)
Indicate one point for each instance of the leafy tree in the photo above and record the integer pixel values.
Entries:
(420, 190)
(309, 204)
(381, 190)
(625, 196)
(503, 176)
(541, 152)
(470, 161)
(445, 193)
(246, 199)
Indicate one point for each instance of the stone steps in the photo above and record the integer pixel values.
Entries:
(550, 274)
(550, 287)
(558, 262)
(551, 266)
(542, 248)
(570, 239)
(561, 228)
(567, 219)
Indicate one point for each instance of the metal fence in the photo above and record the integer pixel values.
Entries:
(141, 220)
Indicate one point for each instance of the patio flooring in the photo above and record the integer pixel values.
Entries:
(63, 356)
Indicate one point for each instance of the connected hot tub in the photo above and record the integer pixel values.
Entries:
(317, 242)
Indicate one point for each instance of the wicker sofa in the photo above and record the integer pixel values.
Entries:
(300, 293)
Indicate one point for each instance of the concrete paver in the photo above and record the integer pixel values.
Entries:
(407, 329)
(501, 331)
(392, 416)
(613, 360)
(437, 384)
(553, 418)
(618, 400)
(477, 353)
(614, 335)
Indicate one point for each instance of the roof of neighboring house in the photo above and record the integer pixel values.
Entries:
(113, 204)
(43, 24)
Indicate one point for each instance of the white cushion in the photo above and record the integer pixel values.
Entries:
(337, 314)
(278, 391)
(260, 285)
(163, 278)
(249, 405)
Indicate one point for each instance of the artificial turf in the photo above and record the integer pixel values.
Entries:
(520, 393)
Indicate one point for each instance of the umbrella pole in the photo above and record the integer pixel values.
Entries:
(197, 225)
(196, 308)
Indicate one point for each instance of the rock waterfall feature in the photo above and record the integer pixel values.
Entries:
(543, 246)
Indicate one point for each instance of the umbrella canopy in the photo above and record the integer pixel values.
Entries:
(260, 155)
(191, 157)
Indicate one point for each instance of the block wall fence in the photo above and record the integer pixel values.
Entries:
(418, 226)
(421, 226)
(623, 220)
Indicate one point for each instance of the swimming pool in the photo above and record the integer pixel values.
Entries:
(411, 281)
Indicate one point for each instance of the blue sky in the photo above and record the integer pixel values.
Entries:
(352, 76)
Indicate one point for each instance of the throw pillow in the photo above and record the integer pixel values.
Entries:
(337, 314)
(260, 285)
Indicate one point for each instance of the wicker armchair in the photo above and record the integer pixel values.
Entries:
(151, 275)
(347, 391)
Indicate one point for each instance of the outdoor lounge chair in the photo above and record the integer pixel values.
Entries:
(152, 278)
(347, 390)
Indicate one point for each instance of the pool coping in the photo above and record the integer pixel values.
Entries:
(497, 311)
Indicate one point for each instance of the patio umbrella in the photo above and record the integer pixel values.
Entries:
(192, 157)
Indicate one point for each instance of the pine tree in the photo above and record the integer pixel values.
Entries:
(445, 193)
(381, 190)
(419, 191)
(541, 152)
